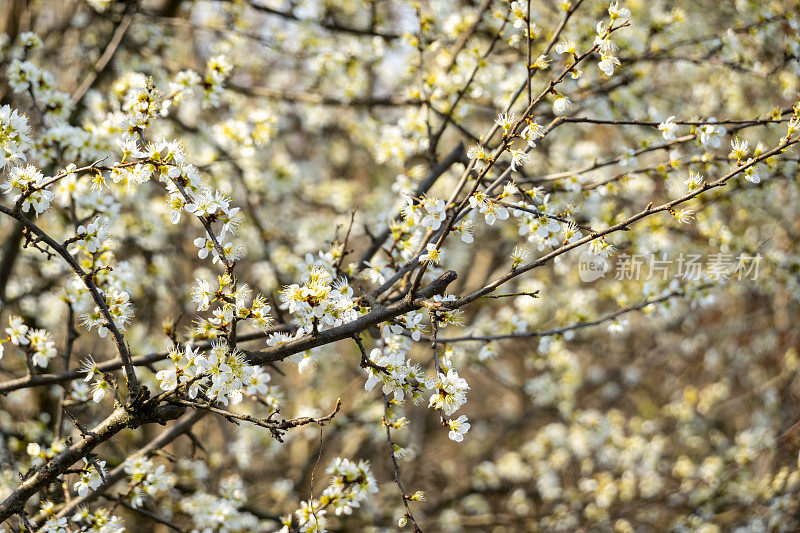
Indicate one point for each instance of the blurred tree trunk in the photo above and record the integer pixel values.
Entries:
(170, 8)
(11, 14)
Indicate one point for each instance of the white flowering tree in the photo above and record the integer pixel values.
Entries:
(370, 265)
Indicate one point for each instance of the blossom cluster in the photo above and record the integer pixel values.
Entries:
(223, 511)
(231, 302)
(38, 343)
(321, 301)
(350, 486)
(147, 479)
(220, 375)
